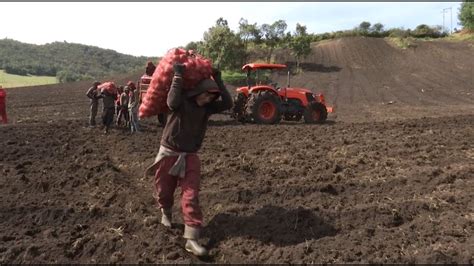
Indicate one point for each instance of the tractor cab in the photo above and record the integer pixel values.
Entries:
(266, 102)
(259, 77)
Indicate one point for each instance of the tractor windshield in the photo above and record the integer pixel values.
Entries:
(262, 73)
(260, 76)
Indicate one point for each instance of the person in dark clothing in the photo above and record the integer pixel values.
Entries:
(92, 94)
(123, 107)
(150, 68)
(177, 162)
(108, 110)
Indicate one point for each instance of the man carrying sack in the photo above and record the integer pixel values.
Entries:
(177, 162)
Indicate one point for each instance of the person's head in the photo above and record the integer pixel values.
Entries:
(96, 83)
(206, 97)
(126, 89)
(131, 85)
(205, 92)
(149, 63)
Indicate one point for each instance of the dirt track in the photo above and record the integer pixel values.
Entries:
(376, 185)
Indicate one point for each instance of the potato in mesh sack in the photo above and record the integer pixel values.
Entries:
(197, 68)
(108, 86)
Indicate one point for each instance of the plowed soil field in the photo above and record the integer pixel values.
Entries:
(389, 178)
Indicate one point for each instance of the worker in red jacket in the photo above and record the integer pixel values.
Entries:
(3, 111)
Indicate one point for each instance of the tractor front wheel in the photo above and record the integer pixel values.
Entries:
(264, 107)
(315, 113)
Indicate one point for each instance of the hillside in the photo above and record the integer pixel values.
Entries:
(365, 74)
(66, 61)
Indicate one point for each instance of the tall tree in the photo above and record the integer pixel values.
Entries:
(273, 35)
(377, 27)
(249, 32)
(300, 44)
(192, 46)
(223, 46)
(466, 14)
(364, 27)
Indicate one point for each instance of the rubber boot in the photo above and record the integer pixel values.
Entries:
(166, 217)
(192, 235)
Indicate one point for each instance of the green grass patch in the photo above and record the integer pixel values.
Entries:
(11, 81)
(459, 37)
(234, 78)
(403, 43)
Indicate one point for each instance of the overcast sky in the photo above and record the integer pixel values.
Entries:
(150, 29)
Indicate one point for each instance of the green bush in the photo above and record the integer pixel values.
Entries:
(234, 78)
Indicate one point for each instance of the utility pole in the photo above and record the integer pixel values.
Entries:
(444, 11)
(451, 13)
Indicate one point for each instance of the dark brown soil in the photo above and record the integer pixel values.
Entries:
(378, 183)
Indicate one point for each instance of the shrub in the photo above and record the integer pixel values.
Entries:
(235, 78)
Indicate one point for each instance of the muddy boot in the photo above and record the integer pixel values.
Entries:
(192, 235)
(166, 217)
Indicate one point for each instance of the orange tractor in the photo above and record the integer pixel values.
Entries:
(268, 104)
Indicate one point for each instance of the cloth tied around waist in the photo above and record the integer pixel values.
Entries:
(179, 167)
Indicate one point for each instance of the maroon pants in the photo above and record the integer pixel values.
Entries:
(3, 113)
(165, 185)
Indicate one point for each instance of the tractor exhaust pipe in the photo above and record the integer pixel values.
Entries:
(288, 80)
(248, 79)
(287, 85)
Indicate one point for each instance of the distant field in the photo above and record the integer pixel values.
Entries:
(10, 81)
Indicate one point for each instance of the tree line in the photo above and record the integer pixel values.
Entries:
(230, 50)
(66, 61)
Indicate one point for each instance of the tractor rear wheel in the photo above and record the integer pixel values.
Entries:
(238, 111)
(264, 107)
(315, 113)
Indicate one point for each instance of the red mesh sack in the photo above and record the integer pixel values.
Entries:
(108, 86)
(197, 68)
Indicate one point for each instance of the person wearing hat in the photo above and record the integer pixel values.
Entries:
(93, 94)
(177, 161)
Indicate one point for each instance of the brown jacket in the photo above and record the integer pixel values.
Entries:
(187, 122)
(108, 99)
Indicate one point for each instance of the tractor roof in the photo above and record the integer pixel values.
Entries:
(263, 66)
